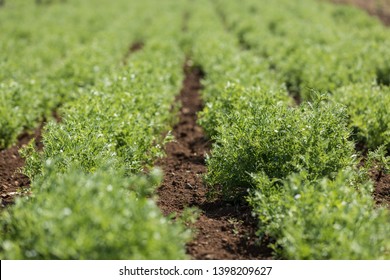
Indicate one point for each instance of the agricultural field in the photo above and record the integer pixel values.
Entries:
(207, 129)
(378, 8)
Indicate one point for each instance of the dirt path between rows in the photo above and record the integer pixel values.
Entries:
(224, 231)
(11, 179)
(381, 188)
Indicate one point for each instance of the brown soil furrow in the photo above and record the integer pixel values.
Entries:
(11, 163)
(11, 179)
(224, 231)
(135, 47)
(382, 188)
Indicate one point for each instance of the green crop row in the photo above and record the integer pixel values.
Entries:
(32, 51)
(295, 165)
(308, 50)
(368, 112)
(262, 143)
(104, 215)
(122, 118)
(322, 219)
(55, 54)
(318, 47)
(228, 69)
(87, 201)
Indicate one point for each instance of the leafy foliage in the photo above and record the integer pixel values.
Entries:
(119, 121)
(368, 109)
(57, 53)
(88, 202)
(277, 141)
(296, 166)
(103, 215)
(336, 49)
(322, 219)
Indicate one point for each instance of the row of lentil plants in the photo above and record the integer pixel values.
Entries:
(88, 198)
(295, 165)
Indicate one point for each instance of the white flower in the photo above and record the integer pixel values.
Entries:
(297, 196)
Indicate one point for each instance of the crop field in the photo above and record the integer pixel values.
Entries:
(378, 8)
(194, 129)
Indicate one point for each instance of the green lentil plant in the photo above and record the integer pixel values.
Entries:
(367, 106)
(339, 49)
(322, 219)
(49, 58)
(277, 140)
(103, 215)
(121, 119)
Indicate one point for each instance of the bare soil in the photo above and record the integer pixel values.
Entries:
(224, 231)
(382, 188)
(11, 178)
